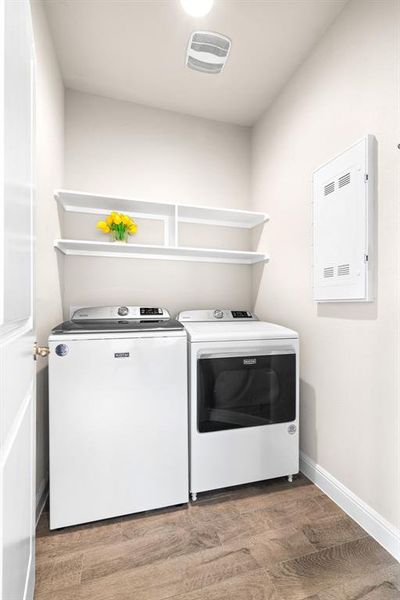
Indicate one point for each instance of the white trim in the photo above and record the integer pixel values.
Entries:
(41, 497)
(379, 528)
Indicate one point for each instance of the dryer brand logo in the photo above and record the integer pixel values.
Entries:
(249, 361)
(121, 354)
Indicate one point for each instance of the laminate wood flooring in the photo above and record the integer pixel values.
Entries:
(268, 541)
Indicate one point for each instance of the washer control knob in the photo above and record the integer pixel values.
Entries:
(218, 314)
(123, 311)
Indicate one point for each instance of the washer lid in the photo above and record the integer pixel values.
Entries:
(237, 331)
(114, 319)
(115, 326)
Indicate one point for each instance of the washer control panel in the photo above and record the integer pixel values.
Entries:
(216, 314)
(98, 313)
(150, 312)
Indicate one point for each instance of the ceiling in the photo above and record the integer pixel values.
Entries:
(135, 50)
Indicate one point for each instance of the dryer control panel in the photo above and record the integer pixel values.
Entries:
(216, 314)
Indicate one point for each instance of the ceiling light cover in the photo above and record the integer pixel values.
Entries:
(197, 8)
(207, 51)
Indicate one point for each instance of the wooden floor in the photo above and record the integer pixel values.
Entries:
(270, 541)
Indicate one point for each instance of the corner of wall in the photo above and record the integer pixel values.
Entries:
(49, 168)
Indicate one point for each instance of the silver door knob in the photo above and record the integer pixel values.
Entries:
(218, 314)
(42, 351)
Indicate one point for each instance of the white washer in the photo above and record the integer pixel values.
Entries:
(243, 399)
(118, 414)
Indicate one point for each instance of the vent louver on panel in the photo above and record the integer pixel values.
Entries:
(343, 269)
(212, 39)
(211, 42)
(199, 65)
(329, 188)
(328, 272)
(344, 180)
(207, 52)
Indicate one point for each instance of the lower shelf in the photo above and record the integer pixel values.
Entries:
(109, 249)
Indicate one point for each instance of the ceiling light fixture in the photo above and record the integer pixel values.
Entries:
(197, 8)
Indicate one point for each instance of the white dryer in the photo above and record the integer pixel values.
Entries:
(118, 414)
(243, 400)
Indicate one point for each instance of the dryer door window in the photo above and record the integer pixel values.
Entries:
(235, 392)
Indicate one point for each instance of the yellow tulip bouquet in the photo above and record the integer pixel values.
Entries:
(120, 226)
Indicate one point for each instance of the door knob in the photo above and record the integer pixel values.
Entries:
(42, 351)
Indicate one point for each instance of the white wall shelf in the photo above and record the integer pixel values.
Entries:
(128, 250)
(98, 204)
(172, 215)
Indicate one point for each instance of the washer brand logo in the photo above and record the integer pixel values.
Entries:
(61, 349)
(121, 354)
(249, 361)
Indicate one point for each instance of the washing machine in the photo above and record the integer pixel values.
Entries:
(243, 399)
(117, 414)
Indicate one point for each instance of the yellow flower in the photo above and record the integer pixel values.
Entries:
(111, 218)
(133, 228)
(103, 226)
(115, 218)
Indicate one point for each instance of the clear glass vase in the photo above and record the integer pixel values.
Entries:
(119, 237)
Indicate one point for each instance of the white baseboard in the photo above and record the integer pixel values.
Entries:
(381, 530)
(41, 497)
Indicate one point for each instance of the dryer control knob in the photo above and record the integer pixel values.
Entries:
(218, 314)
(123, 311)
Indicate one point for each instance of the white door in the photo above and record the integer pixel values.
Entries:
(17, 372)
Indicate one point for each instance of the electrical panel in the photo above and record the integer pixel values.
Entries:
(343, 215)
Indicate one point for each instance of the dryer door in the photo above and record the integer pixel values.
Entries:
(246, 391)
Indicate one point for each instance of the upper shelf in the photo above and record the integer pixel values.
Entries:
(97, 204)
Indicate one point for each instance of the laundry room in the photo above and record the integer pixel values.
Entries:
(199, 300)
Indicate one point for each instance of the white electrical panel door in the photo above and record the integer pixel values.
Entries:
(343, 192)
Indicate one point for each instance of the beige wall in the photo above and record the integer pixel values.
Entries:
(120, 148)
(116, 147)
(49, 175)
(349, 352)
